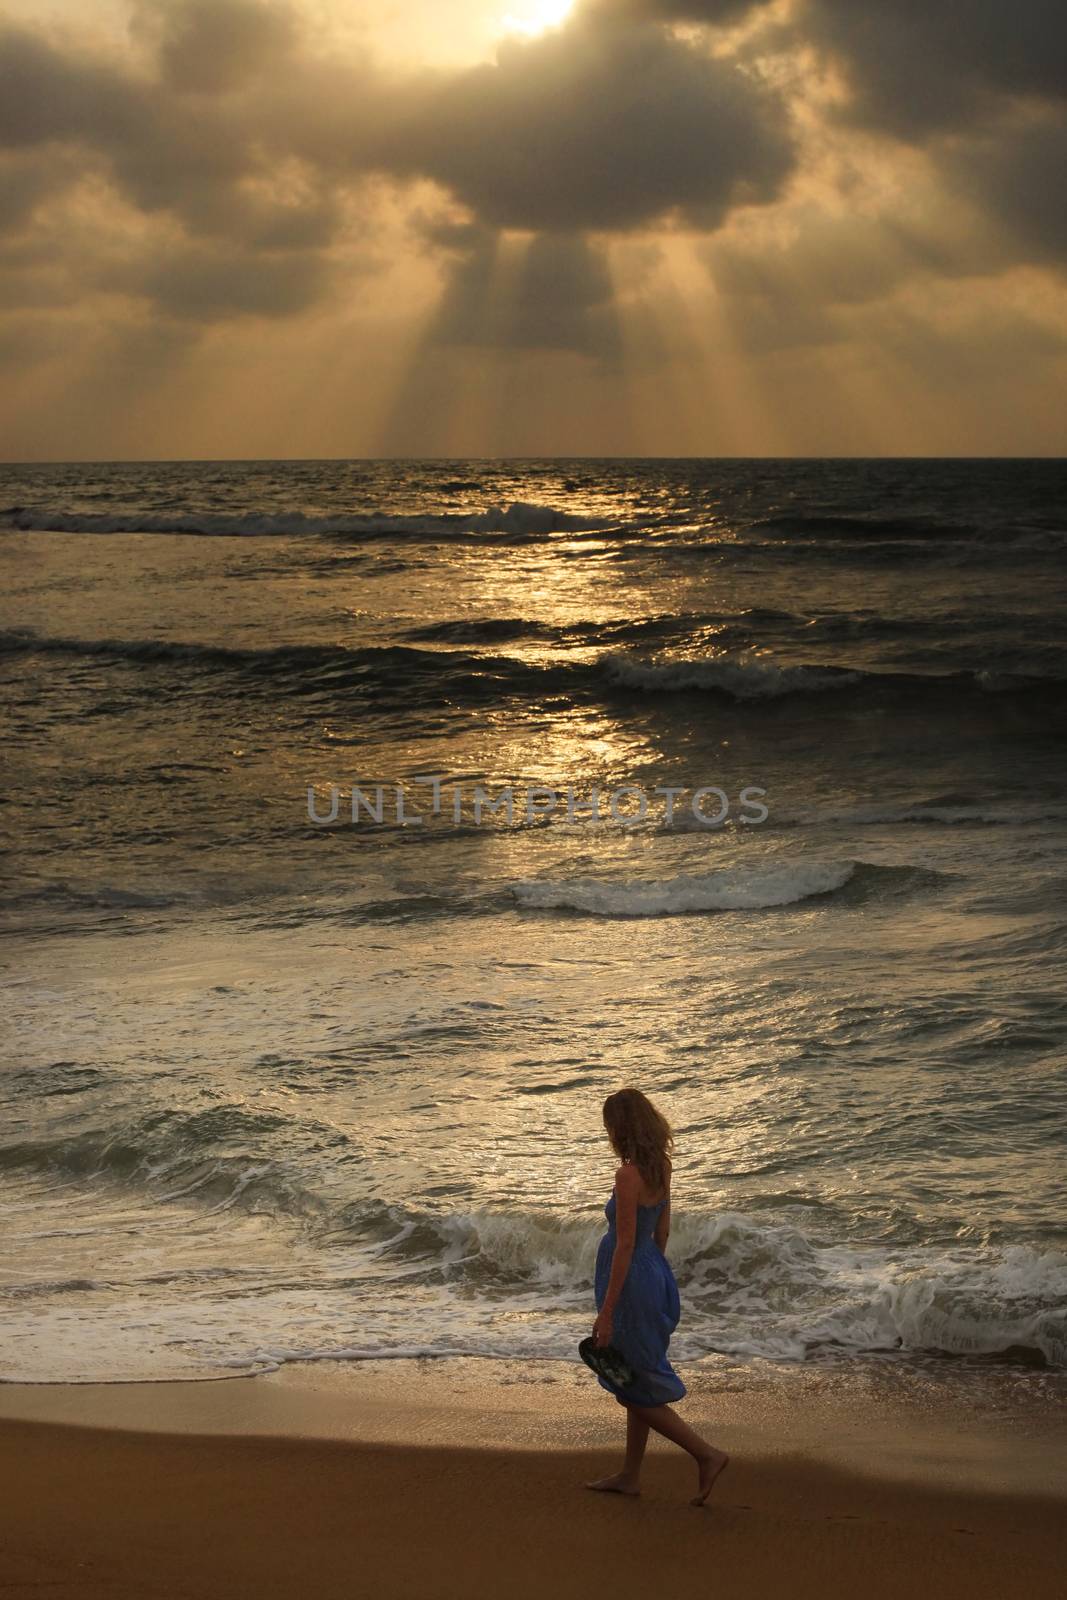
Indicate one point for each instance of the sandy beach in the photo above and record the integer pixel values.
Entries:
(398, 1482)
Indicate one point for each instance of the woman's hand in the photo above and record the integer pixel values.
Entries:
(602, 1328)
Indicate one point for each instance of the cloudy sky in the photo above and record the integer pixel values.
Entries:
(234, 228)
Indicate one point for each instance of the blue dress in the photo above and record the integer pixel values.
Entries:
(646, 1313)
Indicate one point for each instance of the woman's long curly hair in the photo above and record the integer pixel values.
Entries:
(640, 1134)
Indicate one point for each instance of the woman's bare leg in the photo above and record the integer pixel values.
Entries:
(636, 1439)
(627, 1481)
(710, 1462)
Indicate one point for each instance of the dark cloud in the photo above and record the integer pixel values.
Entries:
(818, 274)
(224, 166)
(595, 126)
(212, 161)
(600, 124)
(49, 94)
(1016, 178)
(825, 264)
(215, 46)
(30, 177)
(773, 309)
(255, 225)
(159, 153)
(205, 283)
(835, 258)
(32, 277)
(249, 152)
(919, 66)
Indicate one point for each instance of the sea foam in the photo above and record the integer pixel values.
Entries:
(728, 889)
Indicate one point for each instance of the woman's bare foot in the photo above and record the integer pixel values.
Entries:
(618, 1483)
(710, 1467)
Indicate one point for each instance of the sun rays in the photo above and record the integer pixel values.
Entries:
(536, 16)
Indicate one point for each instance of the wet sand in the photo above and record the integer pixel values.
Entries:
(464, 1479)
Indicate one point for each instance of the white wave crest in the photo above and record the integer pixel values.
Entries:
(523, 516)
(769, 1289)
(520, 1285)
(546, 1250)
(728, 889)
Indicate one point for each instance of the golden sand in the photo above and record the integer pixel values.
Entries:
(288, 1488)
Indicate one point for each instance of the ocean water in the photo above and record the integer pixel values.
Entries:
(278, 1089)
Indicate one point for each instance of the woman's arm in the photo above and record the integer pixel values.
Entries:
(663, 1221)
(663, 1225)
(627, 1182)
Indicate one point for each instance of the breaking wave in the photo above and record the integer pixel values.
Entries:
(520, 518)
(514, 1283)
(728, 889)
(393, 673)
(740, 679)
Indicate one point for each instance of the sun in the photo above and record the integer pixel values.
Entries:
(537, 16)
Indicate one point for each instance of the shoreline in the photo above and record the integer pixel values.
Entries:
(409, 1480)
(968, 1428)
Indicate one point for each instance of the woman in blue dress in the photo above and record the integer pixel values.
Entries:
(636, 1293)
